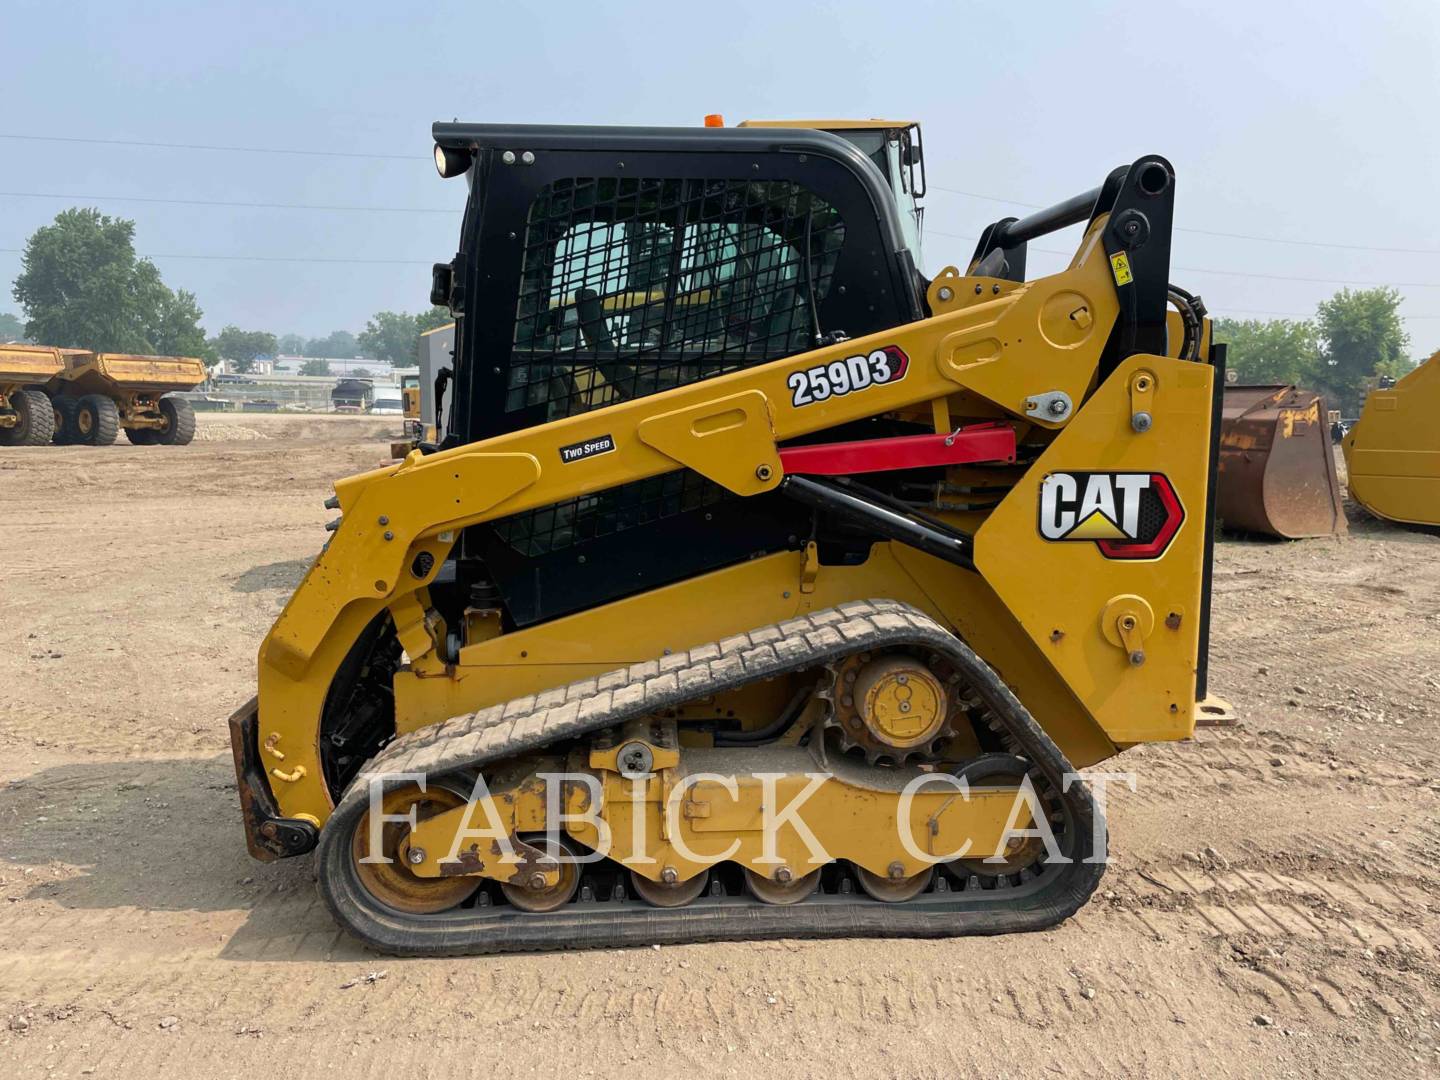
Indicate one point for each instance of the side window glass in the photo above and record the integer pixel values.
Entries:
(631, 286)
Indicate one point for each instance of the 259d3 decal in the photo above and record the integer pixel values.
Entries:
(841, 377)
(1127, 515)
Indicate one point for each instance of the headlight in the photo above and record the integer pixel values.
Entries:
(450, 162)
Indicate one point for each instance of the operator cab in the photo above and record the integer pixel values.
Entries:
(896, 149)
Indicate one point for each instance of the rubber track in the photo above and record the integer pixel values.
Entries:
(529, 723)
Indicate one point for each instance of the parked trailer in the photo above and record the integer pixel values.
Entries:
(97, 395)
(26, 416)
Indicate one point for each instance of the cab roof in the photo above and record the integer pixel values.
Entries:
(873, 124)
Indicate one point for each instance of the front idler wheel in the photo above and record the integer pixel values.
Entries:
(391, 882)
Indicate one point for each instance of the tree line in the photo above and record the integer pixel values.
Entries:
(1355, 338)
(82, 286)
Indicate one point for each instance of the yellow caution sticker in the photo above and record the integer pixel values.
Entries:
(1120, 265)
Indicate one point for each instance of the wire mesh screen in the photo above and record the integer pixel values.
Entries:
(555, 527)
(633, 285)
(630, 286)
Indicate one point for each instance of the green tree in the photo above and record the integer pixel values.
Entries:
(435, 317)
(81, 285)
(339, 345)
(11, 328)
(392, 336)
(241, 347)
(1272, 351)
(319, 366)
(290, 345)
(1362, 335)
(177, 329)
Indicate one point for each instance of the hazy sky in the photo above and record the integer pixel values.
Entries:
(1315, 122)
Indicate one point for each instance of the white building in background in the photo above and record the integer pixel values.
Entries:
(290, 365)
(229, 367)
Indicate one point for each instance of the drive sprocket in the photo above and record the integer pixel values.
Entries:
(896, 706)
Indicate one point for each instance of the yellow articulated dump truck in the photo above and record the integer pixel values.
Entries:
(69, 396)
(785, 595)
(1392, 455)
(97, 395)
(26, 415)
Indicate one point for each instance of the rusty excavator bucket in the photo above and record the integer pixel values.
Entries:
(1277, 469)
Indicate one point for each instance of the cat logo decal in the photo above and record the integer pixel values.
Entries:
(1127, 515)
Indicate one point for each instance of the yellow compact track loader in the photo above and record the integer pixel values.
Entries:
(1392, 455)
(759, 587)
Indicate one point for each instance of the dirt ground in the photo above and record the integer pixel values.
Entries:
(1273, 907)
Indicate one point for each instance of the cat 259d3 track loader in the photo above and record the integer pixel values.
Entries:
(760, 587)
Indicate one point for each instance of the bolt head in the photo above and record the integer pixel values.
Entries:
(763, 472)
(537, 881)
(1137, 658)
(946, 293)
(669, 875)
(527, 158)
(415, 856)
(1141, 422)
(508, 157)
(1058, 407)
(896, 870)
(783, 875)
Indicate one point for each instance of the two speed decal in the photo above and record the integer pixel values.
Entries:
(601, 444)
(841, 377)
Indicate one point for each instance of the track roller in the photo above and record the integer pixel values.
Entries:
(774, 890)
(669, 894)
(532, 890)
(894, 890)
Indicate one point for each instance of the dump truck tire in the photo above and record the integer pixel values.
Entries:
(35, 420)
(64, 410)
(97, 420)
(142, 436)
(179, 417)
